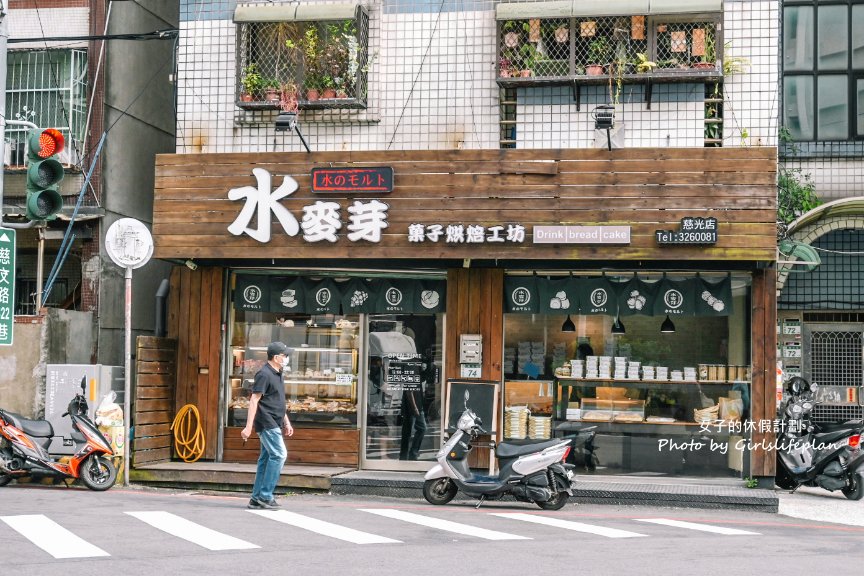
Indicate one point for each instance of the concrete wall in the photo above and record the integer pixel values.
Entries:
(18, 379)
(139, 114)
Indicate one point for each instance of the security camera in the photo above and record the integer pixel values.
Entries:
(191, 265)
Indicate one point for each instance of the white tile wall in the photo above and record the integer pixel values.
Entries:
(47, 22)
(432, 86)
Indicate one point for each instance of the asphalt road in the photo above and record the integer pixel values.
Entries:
(44, 530)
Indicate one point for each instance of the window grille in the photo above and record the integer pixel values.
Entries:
(835, 357)
(313, 65)
(48, 88)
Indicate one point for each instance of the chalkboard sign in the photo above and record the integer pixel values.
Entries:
(482, 399)
(405, 375)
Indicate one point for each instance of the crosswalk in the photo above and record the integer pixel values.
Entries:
(61, 542)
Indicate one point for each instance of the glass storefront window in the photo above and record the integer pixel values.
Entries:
(321, 371)
(636, 388)
(403, 405)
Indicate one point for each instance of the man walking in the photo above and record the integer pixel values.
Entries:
(267, 412)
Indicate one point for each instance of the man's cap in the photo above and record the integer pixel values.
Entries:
(275, 348)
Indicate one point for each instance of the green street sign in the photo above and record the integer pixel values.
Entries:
(7, 285)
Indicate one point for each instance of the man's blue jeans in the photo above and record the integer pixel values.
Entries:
(273, 455)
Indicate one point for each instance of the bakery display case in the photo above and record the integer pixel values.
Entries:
(320, 372)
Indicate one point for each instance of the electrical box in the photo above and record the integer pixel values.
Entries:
(62, 382)
(470, 349)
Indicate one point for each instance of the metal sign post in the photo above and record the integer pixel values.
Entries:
(130, 245)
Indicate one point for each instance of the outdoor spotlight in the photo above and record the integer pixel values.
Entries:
(667, 327)
(618, 327)
(568, 325)
(191, 265)
(286, 121)
(604, 117)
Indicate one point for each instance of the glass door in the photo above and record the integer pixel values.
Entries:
(404, 391)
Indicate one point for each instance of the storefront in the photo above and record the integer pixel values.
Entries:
(650, 269)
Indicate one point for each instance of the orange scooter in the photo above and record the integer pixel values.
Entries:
(24, 443)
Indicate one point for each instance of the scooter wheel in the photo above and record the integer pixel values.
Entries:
(98, 473)
(855, 490)
(5, 479)
(556, 502)
(439, 491)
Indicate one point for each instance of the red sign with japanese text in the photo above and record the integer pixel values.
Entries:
(330, 180)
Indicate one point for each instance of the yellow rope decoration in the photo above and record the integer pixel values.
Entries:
(189, 444)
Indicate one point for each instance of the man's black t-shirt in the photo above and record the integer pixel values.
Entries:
(271, 407)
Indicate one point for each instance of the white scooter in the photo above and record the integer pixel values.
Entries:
(532, 473)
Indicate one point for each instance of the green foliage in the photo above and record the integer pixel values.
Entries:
(733, 64)
(252, 81)
(599, 51)
(751, 482)
(643, 64)
(796, 194)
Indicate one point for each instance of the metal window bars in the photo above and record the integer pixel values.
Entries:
(305, 65)
(566, 47)
(48, 88)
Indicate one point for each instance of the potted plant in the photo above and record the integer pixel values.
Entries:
(598, 56)
(288, 101)
(707, 61)
(328, 87)
(528, 57)
(251, 82)
(643, 65)
(271, 90)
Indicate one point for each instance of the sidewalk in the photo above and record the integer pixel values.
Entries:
(715, 493)
(596, 489)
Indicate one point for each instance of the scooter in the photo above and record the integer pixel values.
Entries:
(24, 443)
(534, 473)
(825, 455)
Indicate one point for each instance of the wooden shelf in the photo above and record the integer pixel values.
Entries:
(624, 383)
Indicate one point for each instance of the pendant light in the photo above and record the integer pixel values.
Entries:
(667, 327)
(618, 327)
(568, 325)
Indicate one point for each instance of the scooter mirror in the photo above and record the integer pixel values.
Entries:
(83, 384)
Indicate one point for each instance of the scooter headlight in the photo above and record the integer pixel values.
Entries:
(466, 422)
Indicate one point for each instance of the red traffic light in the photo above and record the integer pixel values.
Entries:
(51, 142)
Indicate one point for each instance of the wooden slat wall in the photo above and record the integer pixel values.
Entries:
(155, 368)
(645, 188)
(194, 319)
(763, 386)
(475, 304)
(323, 446)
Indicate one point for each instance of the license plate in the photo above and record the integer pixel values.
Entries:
(569, 474)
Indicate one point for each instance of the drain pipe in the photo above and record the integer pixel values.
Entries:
(161, 308)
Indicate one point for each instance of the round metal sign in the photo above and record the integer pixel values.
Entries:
(129, 243)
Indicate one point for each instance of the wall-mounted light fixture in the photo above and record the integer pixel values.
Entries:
(618, 327)
(668, 327)
(604, 119)
(287, 122)
(568, 325)
(191, 265)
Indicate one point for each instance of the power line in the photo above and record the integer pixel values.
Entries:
(169, 33)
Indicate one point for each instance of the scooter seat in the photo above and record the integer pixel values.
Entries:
(37, 428)
(837, 426)
(505, 450)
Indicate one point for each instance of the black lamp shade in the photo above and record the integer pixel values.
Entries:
(667, 327)
(618, 327)
(568, 325)
(604, 117)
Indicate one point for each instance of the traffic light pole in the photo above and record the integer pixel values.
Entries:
(4, 37)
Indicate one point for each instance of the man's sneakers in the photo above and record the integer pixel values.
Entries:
(256, 504)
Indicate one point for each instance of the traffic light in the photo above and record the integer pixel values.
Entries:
(44, 174)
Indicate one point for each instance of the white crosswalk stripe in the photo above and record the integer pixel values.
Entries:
(51, 537)
(699, 527)
(191, 532)
(324, 528)
(446, 525)
(569, 525)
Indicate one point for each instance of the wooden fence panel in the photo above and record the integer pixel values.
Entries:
(153, 409)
